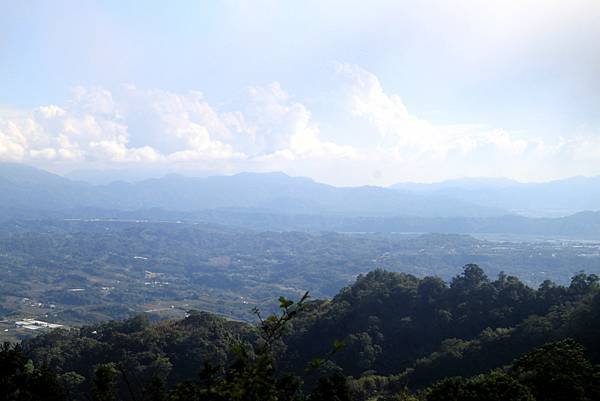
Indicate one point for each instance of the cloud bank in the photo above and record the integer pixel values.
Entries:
(382, 141)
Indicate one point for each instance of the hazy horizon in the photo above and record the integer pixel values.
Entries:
(135, 175)
(104, 176)
(347, 94)
(254, 200)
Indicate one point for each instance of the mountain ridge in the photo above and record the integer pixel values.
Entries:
(557, 198)
(276, 192)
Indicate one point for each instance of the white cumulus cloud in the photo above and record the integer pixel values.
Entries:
(375, 139)
(412, 137)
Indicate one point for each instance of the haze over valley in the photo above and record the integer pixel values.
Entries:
(77, 252)
(263, 200)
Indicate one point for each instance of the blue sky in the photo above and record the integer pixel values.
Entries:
(345, 92)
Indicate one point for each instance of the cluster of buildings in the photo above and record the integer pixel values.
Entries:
(32, 324)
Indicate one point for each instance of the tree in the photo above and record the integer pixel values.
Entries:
(331, 388)
(472, 277)
(495, 386)
(558, 371)
(449, 389)
(252, 375)
(104, 383)
(21, 381)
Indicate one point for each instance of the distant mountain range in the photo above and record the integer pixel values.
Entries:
(548, 199)
(275, 201)
(24, 187)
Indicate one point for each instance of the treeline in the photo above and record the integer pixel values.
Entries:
(389, 336)
(394, 322)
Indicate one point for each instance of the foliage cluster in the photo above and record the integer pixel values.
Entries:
(389, 336)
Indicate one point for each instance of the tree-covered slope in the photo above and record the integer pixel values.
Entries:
(387, 334)
(390, 322)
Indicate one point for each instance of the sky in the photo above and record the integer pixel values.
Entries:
(345, 92)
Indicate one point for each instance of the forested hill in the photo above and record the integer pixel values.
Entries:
(388, 334)
(391, 322)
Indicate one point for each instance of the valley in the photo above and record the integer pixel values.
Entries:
(75, 272)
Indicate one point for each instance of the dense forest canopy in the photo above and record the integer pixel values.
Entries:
(387, 335)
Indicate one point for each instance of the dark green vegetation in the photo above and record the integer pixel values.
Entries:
(77, 272)
(389, 336)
